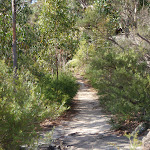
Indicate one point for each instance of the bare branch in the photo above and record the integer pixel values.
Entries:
(83, 3)
(21, 7)
(112, 40)
(143, 38)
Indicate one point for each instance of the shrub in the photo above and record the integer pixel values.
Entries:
(123, 83)
(19, 110)
(61, 90)
(24, 103)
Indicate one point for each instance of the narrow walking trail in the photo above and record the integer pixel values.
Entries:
(89, 128)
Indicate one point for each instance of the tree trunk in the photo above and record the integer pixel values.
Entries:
(135, 13)
(57, 63)
(14, 44)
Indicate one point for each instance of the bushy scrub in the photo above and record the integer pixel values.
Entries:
(83, 56)
(19, 110)
(60, 90)
(25, 103)
(122, 82)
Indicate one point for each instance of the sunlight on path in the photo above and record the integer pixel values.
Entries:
(89, 129)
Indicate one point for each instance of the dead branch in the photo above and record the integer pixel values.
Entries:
(143, 38)
(112, 40)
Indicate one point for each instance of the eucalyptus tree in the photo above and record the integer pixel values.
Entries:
(57, 23)
(13, 15)
(5, 26)
(14, 44)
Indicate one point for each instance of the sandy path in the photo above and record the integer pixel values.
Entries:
(89, 128)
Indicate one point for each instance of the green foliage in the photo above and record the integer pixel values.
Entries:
(6, 25)
(59, 20)
(123, 83)
(99, 20)
(67, 85)
(47, 37)
(36, 93)
(57, 25)
(25, 102)
(120, 75)
(134, 141)
(20, 110)
(60, 90)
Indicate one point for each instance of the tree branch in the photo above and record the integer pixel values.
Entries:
(143, 38)
(23, 3)
(112, 40)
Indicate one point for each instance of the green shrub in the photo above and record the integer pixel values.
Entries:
(61, 90)
(24, 103)
(122, 82)
(19, 110)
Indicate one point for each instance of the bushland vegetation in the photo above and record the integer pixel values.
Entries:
(36, 86)
(114, 55)
(107, 40)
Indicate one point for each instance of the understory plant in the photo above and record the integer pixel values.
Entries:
(60, 90)
(123, 83)
(134, 141)
(25, 102)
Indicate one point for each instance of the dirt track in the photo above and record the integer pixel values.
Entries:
(89, 128)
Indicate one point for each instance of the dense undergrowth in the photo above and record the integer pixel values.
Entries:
(48, 33)
(123, 84)
(116, 62)
(45, 38)
(26, 101)
(122, 81)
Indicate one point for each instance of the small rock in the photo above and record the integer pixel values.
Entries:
(140, 129)
(100, 136)
(46, 147)
(146, 142)
(73, 134)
